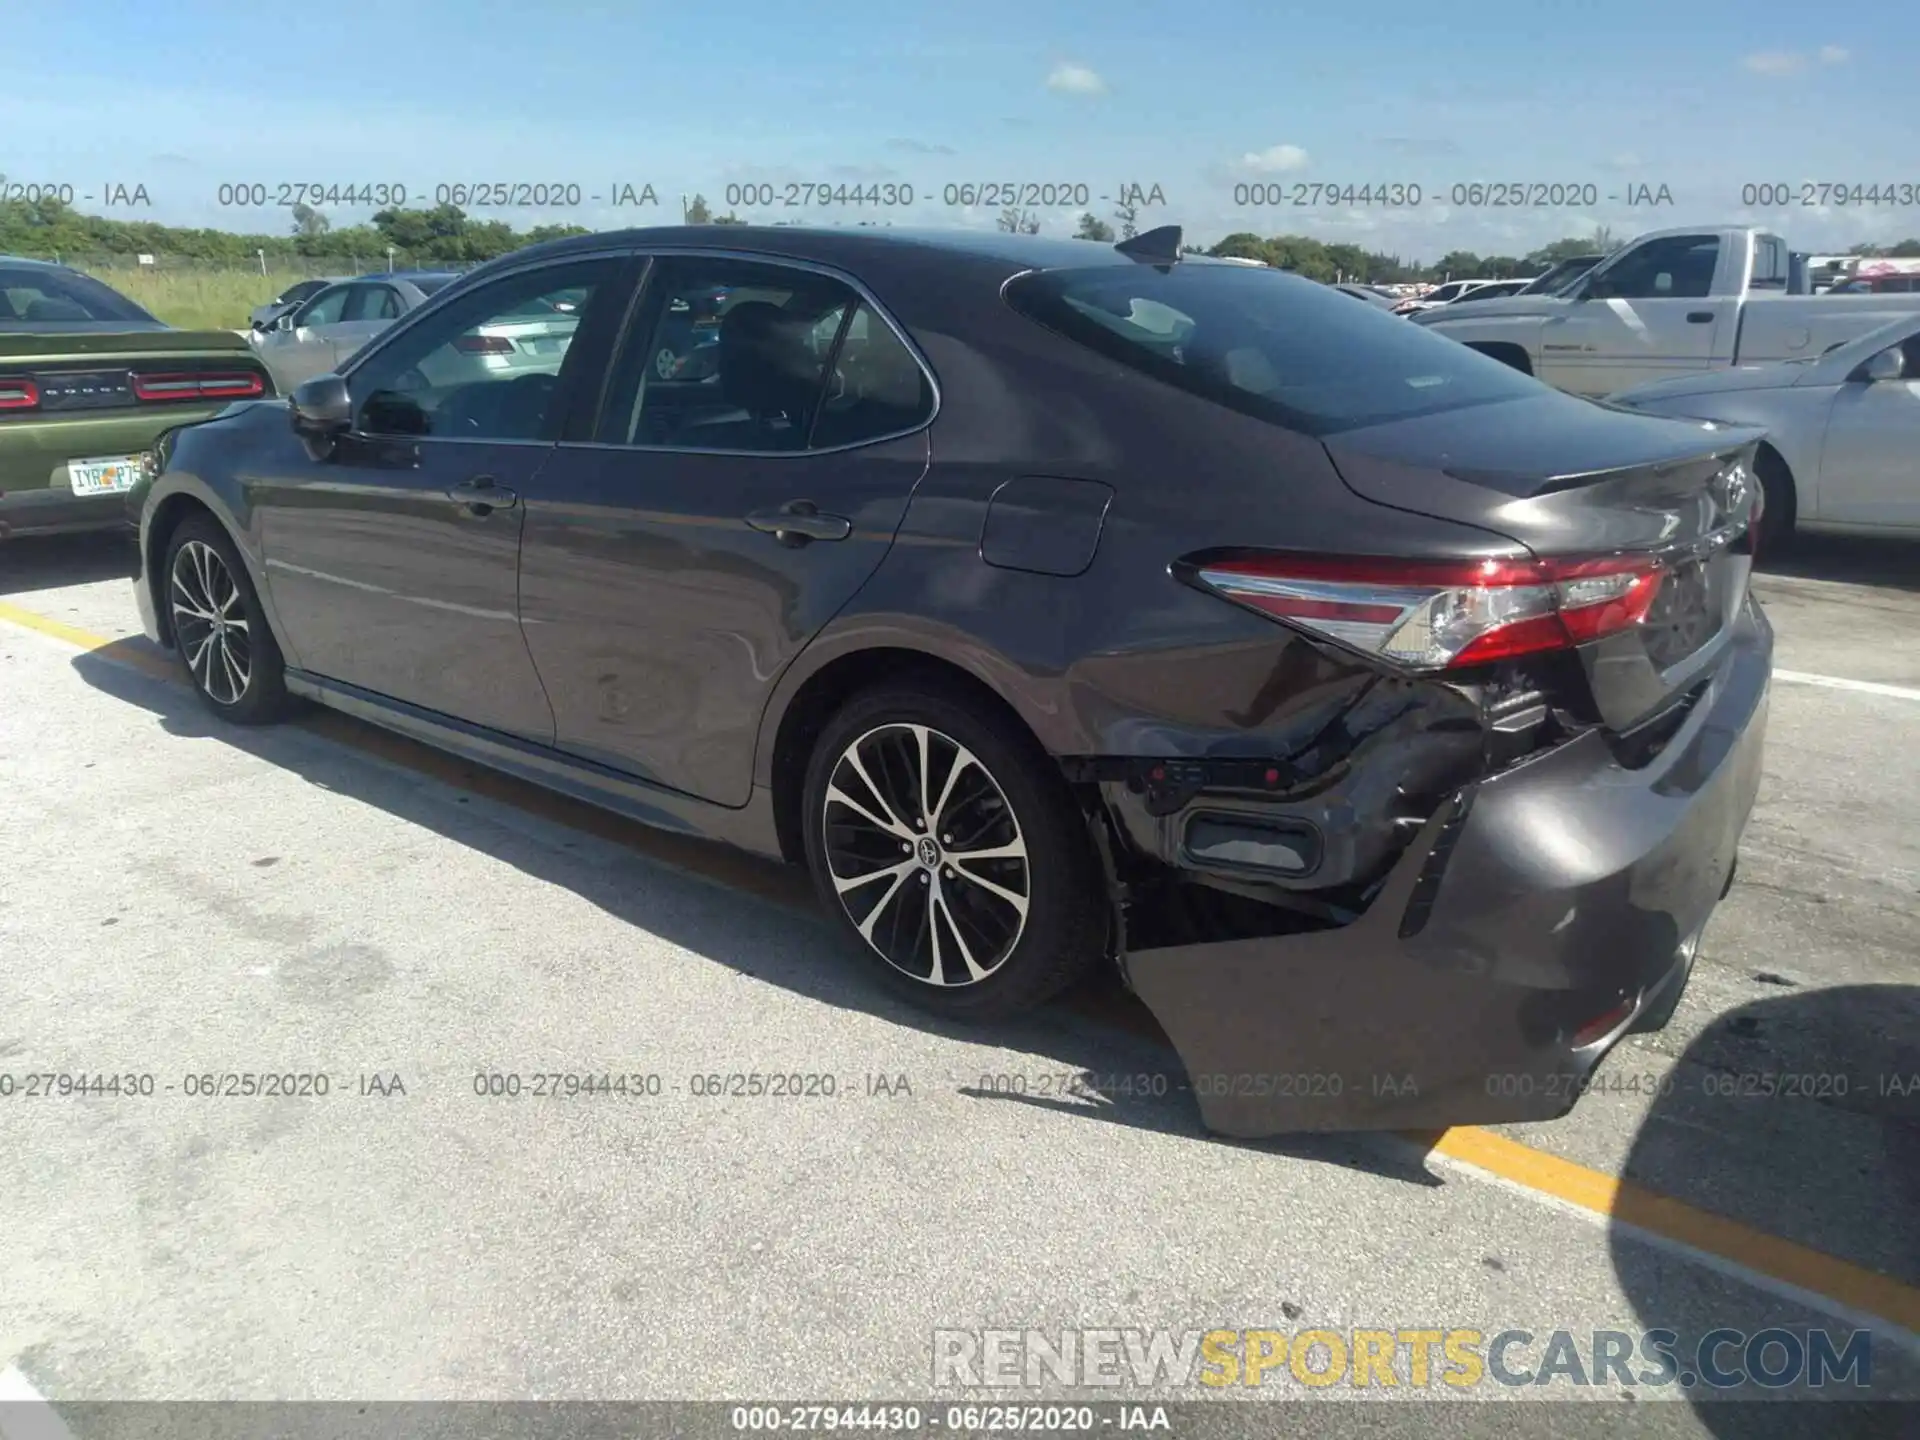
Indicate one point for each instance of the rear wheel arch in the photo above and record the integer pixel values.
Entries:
(1513, 356)
(168, 516)
(829, 688)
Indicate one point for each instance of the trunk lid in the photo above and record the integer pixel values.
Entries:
(80, 343)
(1568, 477)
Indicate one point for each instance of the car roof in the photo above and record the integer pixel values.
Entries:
(35, 264)
(848, 246)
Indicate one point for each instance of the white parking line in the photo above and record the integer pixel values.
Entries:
(24, 1411)
(1834, 682)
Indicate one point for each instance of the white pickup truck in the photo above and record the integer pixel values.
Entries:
(1675, 302)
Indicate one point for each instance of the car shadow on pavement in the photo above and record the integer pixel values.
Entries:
(1848, 559)
(51, 562)
(1794, 1117)
(1101, 1054)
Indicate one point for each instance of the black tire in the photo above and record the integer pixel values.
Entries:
(1776, 485)
(236, 669)
(1009, 796)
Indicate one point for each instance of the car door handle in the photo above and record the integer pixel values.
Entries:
(1699, 317)
(800, 521)
(482, 496)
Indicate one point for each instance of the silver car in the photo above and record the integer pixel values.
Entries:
(317, 336)
(291, 299)
(1843, 430)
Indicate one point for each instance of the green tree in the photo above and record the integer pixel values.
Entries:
(1016, 221)
(1129, 218)
(698, 212)
(309, 221)
(1092, 227)
(728, 219)
(1243, 245)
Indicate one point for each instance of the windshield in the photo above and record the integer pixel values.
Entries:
(34, 295)
(1265, 344)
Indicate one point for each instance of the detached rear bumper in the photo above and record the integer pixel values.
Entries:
(1536, 919)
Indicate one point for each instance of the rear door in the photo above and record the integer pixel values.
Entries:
(1650, 315)
(685, 544)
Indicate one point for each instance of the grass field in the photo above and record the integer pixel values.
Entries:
(210, 300)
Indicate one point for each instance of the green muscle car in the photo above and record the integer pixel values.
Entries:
(88, 382)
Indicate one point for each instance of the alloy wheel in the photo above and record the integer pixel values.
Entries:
(210, 623)
(926, 854)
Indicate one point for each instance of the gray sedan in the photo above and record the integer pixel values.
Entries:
(1843, 430)
(319, 335)
(290, 299)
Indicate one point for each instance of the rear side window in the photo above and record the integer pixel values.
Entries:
(1265, 343)
(31, 295)
(736, 355)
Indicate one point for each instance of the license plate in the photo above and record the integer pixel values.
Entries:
(103, 477)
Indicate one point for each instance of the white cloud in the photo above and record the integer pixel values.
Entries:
(1070, 79)
(1792, 62)
(1273, 158)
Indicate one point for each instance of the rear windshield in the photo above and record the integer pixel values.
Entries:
(429, 284)
(1265, 343)
(30, 295)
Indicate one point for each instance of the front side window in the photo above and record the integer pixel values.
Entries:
(485, 367)
(372, 302)
(740, 355)
(329, 307)
(1282, 349)
(1679, 267)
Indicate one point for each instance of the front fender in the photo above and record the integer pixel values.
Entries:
(199, 473)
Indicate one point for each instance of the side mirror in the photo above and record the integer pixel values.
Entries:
(1889, 364)
(321, 407)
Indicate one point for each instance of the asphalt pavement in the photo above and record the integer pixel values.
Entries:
(346, 911)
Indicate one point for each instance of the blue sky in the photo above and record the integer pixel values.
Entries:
(1699, 95)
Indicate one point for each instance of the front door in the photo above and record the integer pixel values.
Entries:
(300, 345)
(1870, 465)
(393, 560)
(719, 518)
(1650, 315)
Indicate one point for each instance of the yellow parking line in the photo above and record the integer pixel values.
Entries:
(1853, 1286)
(47, 625)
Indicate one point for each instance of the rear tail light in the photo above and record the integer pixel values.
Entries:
(18, 394)
(239, 385)
(484, 345)
(1439, 615)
